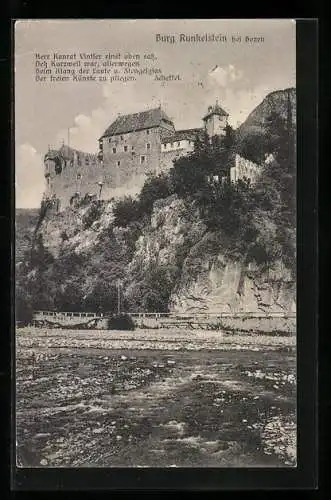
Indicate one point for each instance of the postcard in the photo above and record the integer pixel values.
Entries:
(155, 266)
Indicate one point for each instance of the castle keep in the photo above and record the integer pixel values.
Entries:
(132, 146)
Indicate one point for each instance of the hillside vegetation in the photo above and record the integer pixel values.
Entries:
(186, 242)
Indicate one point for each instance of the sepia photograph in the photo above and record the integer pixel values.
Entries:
(155, 243)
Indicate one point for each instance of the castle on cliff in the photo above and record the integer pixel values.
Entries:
(132, 146)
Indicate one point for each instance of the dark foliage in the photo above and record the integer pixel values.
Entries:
(121, 322)
(256, 223)
(93, 213)
(191, 174)
(40, 256)
(102, 298)
(153, 290)
(154, 188)
(23, 307)
(126, 211)
(131, 211)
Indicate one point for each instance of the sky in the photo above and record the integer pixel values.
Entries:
(239, 75)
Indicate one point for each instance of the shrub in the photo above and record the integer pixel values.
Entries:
(130, 210)
(23, 308)
(126, 211)
(102, 298)
(40, 257)
(154, 188)
(121, 322)
(93, 214)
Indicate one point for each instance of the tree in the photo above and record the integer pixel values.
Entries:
(230, 211)
(40, 256)
(154, 188)
(276, 186)
(126, 211)
(191, 174)
(254, 145)
(69, 298)
(23, 307)
(103, 298)
(93, 214)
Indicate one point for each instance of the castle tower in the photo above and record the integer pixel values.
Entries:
(215, 120)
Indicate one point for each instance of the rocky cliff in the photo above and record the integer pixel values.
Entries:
(198, 274)
(208, 280)
(168, 259)
(253, 137)
(277, 102)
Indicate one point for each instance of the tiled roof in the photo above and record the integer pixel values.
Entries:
(181, 135)
(137, 121)
(215, 110)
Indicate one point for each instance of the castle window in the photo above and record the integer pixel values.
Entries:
(125, 148)
(147, 132)
(86, 161)
(114, 150)
(118, 163)
(121, 137)
(109, 140)
(178, 144)
(132, 147)
(142, 159)
(148, 146)
(79, 176)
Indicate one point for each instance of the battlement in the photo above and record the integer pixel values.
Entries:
(71, 173)
(132, 146)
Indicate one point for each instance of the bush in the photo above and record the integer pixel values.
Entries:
(121, 322)
(129, 210)
(189, 174)
(154, 188)
(93, 214)
(126, 211)
(23, 308)
(102, 298)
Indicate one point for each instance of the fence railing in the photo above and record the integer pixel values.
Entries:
(173, 315)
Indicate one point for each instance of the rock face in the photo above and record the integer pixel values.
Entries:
(276, 102)
(70, 229)
(203, 277)
(172, 253)
(208, 281)
(220, 285)
(174, 227)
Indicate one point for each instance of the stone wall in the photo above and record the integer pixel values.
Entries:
(65, 177)
(131, 155)
(244, 169)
